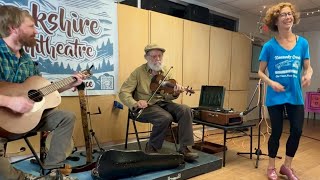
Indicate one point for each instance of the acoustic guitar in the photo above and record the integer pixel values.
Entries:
(45, 95)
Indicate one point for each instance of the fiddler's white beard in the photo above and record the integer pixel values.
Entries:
(155, 66)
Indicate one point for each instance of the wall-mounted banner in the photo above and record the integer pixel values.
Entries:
(73, 35)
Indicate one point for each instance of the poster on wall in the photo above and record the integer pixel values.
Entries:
(72, 36)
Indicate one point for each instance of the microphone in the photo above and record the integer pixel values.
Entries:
(245, 112)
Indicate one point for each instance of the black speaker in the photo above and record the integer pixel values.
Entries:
(223, 22)
(160, 6)
(197, 13)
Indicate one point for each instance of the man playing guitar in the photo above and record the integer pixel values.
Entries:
(17, 30)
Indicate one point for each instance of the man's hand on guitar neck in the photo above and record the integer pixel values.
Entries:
(17, 104)
(79, 78)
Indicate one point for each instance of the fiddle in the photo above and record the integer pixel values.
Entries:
(166, 86)
(159, 84)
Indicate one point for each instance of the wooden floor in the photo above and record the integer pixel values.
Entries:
(306, 162)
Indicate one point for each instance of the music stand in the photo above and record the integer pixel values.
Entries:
(258, 151)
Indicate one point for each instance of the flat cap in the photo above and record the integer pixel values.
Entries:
(152, 46)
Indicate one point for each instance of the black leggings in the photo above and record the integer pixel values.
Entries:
(296, 118)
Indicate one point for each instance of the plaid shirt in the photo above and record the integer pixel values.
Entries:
(13, 69)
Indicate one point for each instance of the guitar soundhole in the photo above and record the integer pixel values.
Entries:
(35, 95)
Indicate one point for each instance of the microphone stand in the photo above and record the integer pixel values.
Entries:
(92, 133)
(258, 151)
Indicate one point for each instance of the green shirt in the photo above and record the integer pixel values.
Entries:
(13, 69)
(139, 83)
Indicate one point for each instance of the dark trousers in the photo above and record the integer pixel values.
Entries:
(161, 115)
(296, 118)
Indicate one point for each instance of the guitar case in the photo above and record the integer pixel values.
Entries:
(116, 164)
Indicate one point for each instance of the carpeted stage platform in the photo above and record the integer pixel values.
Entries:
(205, 163)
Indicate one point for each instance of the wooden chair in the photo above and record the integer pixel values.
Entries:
(136, 132)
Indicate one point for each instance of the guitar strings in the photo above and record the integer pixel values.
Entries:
(52, 87)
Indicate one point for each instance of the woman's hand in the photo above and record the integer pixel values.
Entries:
(277, 86)
(306, 80)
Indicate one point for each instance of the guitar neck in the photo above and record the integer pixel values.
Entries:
(57, 85)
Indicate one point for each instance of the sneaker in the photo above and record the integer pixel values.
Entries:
(289, 172)
(150, 149)
(272, 174)
(188, 155)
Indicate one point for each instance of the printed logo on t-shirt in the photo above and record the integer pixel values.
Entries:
(287, 66)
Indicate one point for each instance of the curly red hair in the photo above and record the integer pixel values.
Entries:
(273, 12)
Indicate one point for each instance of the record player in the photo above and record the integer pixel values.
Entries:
(211, 107)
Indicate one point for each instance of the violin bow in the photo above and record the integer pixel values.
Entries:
(153, 94)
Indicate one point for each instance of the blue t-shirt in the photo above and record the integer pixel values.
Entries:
(285, 67)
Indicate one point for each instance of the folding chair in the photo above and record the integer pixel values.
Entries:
(34, 153)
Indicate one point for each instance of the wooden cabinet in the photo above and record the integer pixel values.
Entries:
(167, 31)
(220, 57)
(195, 54)
(133, 33)
(240, 62)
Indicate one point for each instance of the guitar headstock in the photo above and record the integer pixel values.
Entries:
(87, 72)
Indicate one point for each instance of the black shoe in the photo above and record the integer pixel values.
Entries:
(188, 155)
(149, 149)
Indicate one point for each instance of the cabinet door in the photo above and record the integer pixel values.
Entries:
(220, 57)
(167, 31)
(238, 100)
(133, 33)
(195, 54)
(240, 62)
